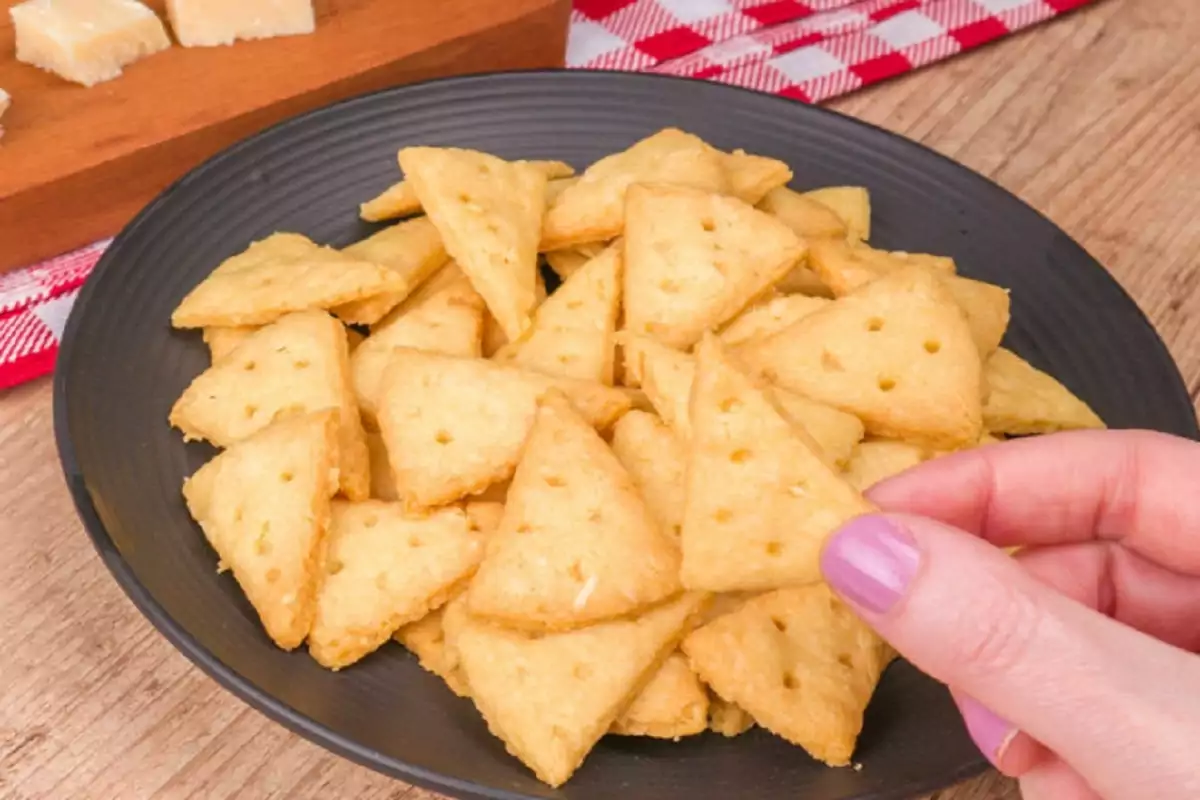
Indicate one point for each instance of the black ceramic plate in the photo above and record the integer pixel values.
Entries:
(122, 366)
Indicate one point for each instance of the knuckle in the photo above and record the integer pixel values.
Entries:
(1000, 637)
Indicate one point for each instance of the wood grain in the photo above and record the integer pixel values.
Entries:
(1094, 119)
(127, 139)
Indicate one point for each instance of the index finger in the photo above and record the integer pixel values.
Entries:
(1134, 487)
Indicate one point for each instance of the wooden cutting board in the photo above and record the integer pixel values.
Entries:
(76, 163)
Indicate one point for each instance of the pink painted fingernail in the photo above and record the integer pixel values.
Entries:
(991, 733)
(870, 561)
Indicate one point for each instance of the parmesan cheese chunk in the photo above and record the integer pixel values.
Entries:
(86, 41)
(208, 23)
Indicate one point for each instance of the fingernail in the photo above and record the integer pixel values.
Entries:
(870, 561)
(991, 733)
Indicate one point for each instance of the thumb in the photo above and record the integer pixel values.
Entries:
(1121, 708)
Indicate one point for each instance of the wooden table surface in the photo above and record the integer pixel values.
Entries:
(1094, 119)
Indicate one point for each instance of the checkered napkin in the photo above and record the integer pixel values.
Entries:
(808, 50)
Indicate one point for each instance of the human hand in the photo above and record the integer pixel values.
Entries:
(1073, 662)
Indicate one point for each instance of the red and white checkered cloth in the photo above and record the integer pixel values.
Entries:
(808, 50)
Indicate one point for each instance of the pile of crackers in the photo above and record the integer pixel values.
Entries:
(598, 511)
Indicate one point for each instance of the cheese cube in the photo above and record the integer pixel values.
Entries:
(86, 41)
(208, 23)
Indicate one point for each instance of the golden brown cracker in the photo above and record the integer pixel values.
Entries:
(666, 378)
(760, 499)
(489, 214)
(383, 484)
(385, 568)
(426, 639)
(726, 718)
(400, 199)
(768, 317)
(298, 364)
(880, 459)
(264, 506)
(897, 353)
(493, 335)
(656, 460)
(672, 705)
(566, 262)
(573, 332)
(454, 426)
(593, 209)
(223, 341)
(412, 249)
(577, 543)
(852, 204)
(806, 667)
(809, 218)
(283, 273)
(694, 260)
(835, 432)
(550, 698)
(446, 316)
(751, 177)
(1024, 400)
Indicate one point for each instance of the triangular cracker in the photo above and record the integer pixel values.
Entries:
(573, 331)
(593, 209)
(385, 568)
(852, 204)
(897, 353)
(300, 363)
(694, 260)
(806, 667)
(771, 316)
(550, 698)
(566, 262)
(880, 459)
(672, 705)
(577, 544)
(727, 718)
(809, 218)
(284, 272)
(426, 637)
(222, 341)
(264, 506)
(454, 426)
(751, 177)
(845, 267)
(1024, 400)
(413, 250)
(656, 460)
(444, 316)
(760, 499)
(493, 335)
(667, 381)
(400, 199)
(489, 213)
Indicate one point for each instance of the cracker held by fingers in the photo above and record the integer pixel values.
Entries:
(551, 697)
(573, 332)
(897, 353)
(264, 506)
(489, 213)
(299, 363)
(761, 500)
(283, 273)
(385, 568)
(454, 426)
(577, 544)
(805, 667)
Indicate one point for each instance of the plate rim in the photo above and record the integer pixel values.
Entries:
(241, 687)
